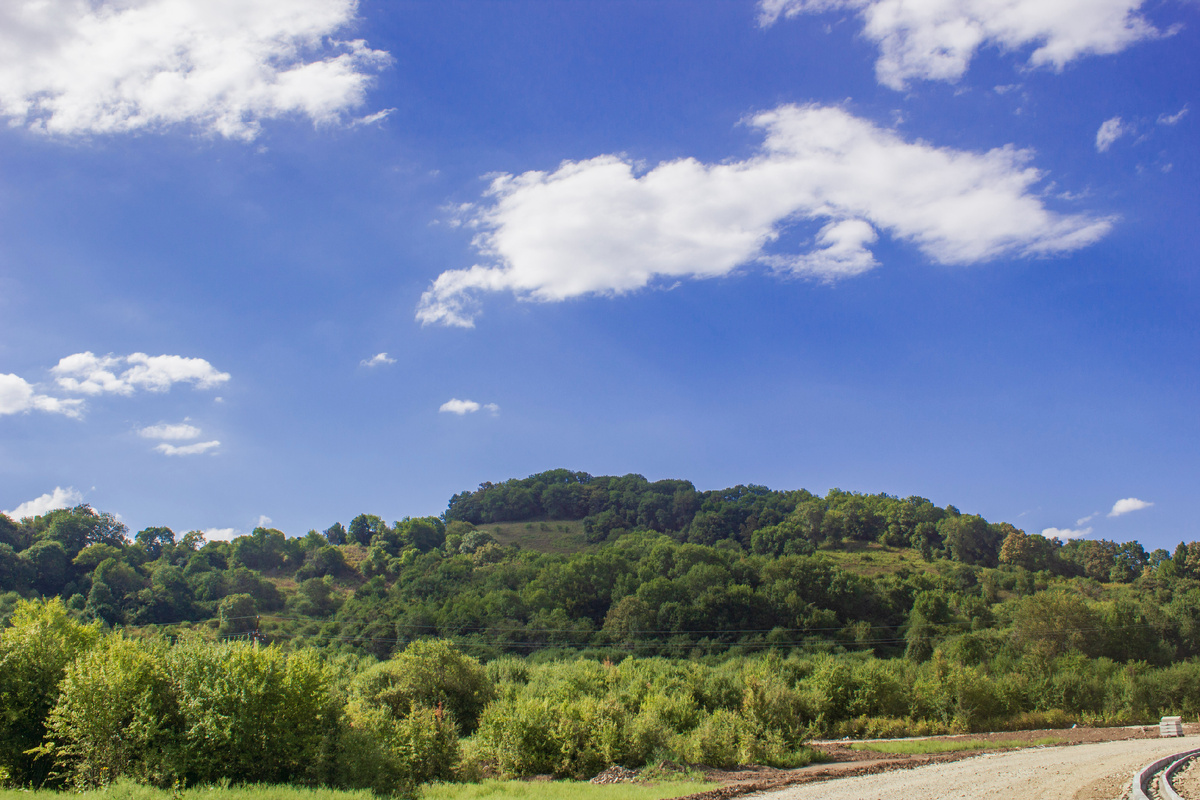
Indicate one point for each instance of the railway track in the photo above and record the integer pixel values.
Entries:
(1154, 781)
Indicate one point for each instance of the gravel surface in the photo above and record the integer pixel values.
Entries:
(1079, 772)
(1187, 781)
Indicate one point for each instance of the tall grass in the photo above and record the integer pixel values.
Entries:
(487, 790)
(559, 790)
(128, 790)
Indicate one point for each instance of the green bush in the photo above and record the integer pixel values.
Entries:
(429, 673)
(116, 716)
(35, 652)
(387, 754)
(253, 714)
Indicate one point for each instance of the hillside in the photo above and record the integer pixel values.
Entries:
(564, 623)
(566, 560)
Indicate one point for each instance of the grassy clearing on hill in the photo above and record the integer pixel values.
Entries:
(872, 559)
(562, 536)
(926, 746)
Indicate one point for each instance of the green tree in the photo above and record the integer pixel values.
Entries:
(971, 540)
(363, 528)
(51, 566)
(238, 615)
(41, 642)
(16, 573)
(1050, 623)
(263, 549)
(153, 540)
(429, 673)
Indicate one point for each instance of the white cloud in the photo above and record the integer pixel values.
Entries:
(460, 407)
(59, 498)
(377, 360)
(1110, 130)
(263, 521)
(598, 227)
(221, 534)
(1172, 119)
(1085, 520)
(187, 449)
(18, 396)
(936, 39)
(88, 373)
(1065, 533)
(173, 432)
(1127, 505)
(78, 67)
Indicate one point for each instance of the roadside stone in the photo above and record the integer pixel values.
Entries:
(616, 774)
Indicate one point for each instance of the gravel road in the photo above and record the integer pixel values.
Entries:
(1077, 772)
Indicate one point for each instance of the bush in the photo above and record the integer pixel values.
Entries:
(387, 755)
(116, 716)
(253, 714)
(430, 673)
(34, 654)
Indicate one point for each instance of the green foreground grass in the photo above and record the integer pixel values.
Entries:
(560, 790)
(487, 790)
(924, 746)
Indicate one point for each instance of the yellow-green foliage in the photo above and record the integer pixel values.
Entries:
(576, 718)
(430, 673)
(35, 651)
(116, 715)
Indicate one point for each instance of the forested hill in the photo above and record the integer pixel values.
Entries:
(621, 562)
(768, 522)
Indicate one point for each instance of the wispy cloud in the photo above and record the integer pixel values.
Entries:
(377, 360)
(18, 396)
(187, 449)
(1127, 505)
(1065, 533)
(936, 39)
(1110, 130)
(169, 431)
(1085, 520)
(1172, 119)
(59, 498)
(598, 227)
(111, 66)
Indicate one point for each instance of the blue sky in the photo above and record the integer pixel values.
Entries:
(930, 247)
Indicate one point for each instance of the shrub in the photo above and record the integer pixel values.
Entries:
(115, 716)
(388, 755)
(35, 651)
(429, 673)
(253, 714)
